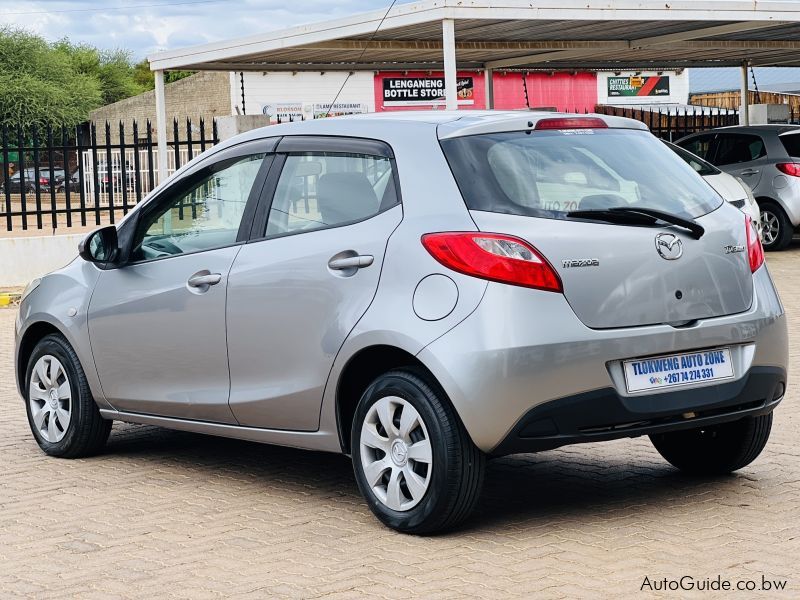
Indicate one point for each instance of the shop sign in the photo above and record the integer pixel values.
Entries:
(418, 91)
(638, 86)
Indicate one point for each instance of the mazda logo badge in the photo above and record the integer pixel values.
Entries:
(669, 246)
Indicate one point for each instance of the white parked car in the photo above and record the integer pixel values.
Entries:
(731, 188)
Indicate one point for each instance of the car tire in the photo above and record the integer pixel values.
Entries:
(408, 488)
(62, 413)
(715, 450)
(777, 229)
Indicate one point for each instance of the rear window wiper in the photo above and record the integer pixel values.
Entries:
(639, 216)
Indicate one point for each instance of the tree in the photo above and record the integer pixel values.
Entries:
(144, 76)
(60, 83)
(39, 85)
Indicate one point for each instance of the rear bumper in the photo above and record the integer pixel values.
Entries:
(522, 351)
(605, 415)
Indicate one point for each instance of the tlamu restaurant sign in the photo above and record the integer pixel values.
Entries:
(424, 91)
(638, 86)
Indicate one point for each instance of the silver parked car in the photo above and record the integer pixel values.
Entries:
(732, 189)
(420, 291)
(767, 159)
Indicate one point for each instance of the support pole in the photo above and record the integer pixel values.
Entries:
(449, 48)
(161, 126)
(744, 111)
(488, 76)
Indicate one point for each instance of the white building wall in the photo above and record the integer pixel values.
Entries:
(678, 88)
(302, 88)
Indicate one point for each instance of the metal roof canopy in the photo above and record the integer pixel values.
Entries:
(537, 34)
(557, 34)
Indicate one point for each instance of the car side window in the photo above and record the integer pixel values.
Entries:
(699, 146)
(318, 190)
(732, 149)
(205, 215)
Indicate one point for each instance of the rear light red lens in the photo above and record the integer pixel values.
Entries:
(492, 256)
(572, 123)
(43, 180)
(755, 251)
(792, 169)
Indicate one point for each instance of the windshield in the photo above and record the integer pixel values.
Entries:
(551, 173)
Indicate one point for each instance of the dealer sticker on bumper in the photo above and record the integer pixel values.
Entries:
(690, 368)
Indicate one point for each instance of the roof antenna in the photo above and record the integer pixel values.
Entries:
(366, 45)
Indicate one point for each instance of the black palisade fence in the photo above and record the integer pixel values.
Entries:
(61, 178)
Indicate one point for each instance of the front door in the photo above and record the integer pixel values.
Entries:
(295, 295)
(157, 324)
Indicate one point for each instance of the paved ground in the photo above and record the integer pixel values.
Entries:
(165, 514)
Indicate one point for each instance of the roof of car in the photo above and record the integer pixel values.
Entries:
(447, 123)
(778, 128)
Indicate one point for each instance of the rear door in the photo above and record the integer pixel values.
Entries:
(614, 275)
(311, 271)
(741, 155)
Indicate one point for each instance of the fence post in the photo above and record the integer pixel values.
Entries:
(150, 174)
(95, 178)
(81, 175)
(37, 176)
(67, 175)
(109, 174)
(176, 147)
(23, 195)
(202, 134)
(137, 181)
(6, 179)
(189, 149)
(50, 159)
(124, 165)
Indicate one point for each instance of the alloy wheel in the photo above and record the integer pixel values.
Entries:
(770, 227)
(396, 454)
(50, 398)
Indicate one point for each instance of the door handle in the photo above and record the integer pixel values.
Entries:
(749, 172)
(351, 262)
(203, 280)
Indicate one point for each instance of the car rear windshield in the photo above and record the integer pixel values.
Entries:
(550, 173)
(791, 142)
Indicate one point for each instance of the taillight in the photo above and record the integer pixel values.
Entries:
(755, 252)
(792, 169)
(571, 123)
(43, 181)
(495, 257)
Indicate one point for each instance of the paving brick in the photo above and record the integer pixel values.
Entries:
(166, 514)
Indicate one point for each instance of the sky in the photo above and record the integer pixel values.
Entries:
(147, 26)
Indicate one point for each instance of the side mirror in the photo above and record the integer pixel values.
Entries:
(101, 246)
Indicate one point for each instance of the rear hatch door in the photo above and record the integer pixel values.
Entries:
(615, 276)
(531, 183)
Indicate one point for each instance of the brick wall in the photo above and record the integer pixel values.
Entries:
(202, 95)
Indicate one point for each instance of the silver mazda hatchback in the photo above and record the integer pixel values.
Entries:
(420, 291)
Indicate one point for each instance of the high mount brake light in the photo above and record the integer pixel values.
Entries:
(571, 123)
(755, 251)
(792, 169)
(492, 256)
